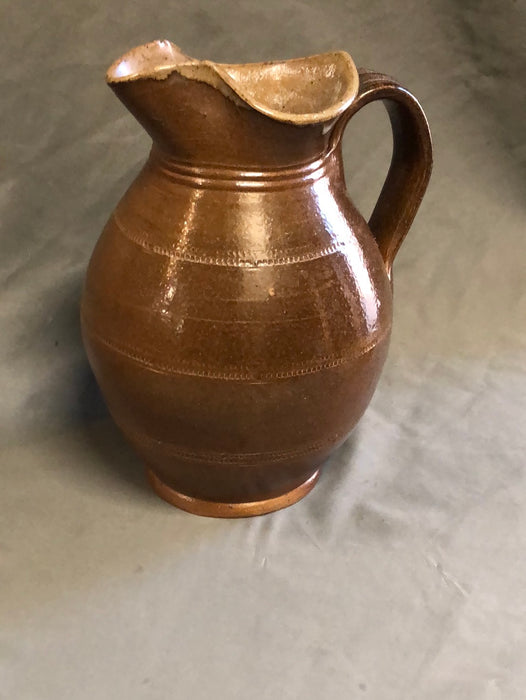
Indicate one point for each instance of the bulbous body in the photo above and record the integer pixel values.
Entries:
(237, 308)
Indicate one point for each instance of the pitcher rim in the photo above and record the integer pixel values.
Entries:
(159, 59)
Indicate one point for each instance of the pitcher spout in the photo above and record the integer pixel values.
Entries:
(153, 60)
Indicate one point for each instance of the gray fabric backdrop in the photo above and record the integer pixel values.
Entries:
(403, 574)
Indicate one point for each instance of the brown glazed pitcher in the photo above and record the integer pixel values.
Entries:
(237, 307)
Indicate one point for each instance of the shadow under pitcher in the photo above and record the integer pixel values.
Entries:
(237, 307)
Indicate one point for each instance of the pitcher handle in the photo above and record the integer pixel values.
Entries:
(411, 163)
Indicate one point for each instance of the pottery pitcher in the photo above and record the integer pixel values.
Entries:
(237, 307)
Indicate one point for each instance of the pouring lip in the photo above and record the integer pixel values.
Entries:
(158, 59)
(143, 62)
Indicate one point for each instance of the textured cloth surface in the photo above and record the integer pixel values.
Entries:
(403, 574)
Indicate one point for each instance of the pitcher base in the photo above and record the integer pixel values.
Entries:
(213, 509)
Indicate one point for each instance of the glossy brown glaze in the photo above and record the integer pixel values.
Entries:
(237, 307)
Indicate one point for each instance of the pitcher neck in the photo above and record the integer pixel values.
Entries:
(242, 178)
(194, 123)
